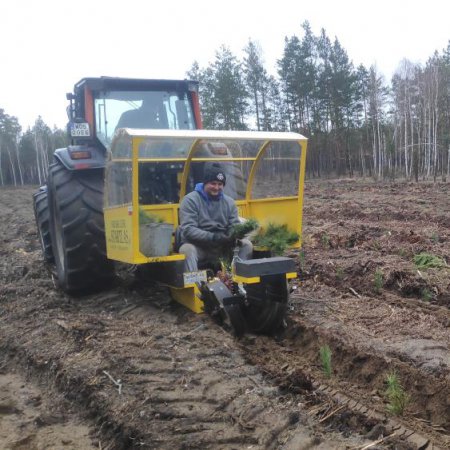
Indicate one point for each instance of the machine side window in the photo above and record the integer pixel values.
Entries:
(118, 183)
(277, 174)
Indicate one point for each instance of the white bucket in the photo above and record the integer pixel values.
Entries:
(155, 239)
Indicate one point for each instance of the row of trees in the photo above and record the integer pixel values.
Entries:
(25, 156)
(356, 123)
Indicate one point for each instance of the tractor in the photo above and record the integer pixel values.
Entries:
(131, 161)
(69, 208)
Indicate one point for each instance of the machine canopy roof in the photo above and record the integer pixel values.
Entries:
(214, 134)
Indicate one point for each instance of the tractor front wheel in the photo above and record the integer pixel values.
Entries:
(41, 214)
(77, 228)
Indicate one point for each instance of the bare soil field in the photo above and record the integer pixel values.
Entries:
(127, 368)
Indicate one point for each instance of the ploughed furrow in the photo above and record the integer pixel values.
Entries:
(353, 395)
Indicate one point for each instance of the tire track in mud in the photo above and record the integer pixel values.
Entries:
(184, 399)
(179, 398)
(185, 383)
(29, 421)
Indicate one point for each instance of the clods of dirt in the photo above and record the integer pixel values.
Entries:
(142, 372)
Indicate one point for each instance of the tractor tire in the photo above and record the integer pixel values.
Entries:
(267, 304)
(41, 214)
(77, 228)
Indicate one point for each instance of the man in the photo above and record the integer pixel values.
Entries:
(151, 114)
(207, 216)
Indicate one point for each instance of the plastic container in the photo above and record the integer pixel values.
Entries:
(155, 239)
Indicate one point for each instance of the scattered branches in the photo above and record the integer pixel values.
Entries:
(117, 382)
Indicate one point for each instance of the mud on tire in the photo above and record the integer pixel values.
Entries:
(77, 228)
(41, 214)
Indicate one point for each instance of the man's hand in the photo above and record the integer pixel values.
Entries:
(223, 238)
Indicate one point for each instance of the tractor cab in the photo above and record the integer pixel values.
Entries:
(148, 173)
(100, 106)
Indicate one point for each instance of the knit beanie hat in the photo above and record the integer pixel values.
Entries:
(214, 172)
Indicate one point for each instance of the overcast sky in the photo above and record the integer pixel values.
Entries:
(48, 45)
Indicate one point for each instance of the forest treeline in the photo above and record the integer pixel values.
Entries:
(357, 124)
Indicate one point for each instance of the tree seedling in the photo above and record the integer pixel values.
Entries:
(325, 239)
(146, 217)
(325, 358)
(378, 281)
(339, 273)
(241, 230)
(276, 238)
(301, 259)
(396, 396)
(428, 261)
(435, 238)
(427, 294)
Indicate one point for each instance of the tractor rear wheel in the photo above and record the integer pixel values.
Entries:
(267, 304)
(77, 228)
(41, 214)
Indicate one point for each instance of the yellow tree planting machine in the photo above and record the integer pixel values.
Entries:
(148, 172)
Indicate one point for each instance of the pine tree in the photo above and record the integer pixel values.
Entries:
(255, 79)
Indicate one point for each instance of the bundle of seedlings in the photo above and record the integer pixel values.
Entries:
(428, 261)
(238, 231)
(146, 217)
(276, 238)
(241, 230)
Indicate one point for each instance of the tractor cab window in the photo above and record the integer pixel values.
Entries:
(141, 109)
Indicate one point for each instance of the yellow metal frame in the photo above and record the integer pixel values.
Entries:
(246, 280)
(122, 222)
(188, 296)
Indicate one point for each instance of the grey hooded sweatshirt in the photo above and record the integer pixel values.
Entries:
(201, 216)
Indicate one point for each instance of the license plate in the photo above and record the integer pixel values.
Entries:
(80, 130)
(194, 277)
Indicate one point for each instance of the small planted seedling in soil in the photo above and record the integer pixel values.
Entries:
(427, 295)
(378, 281)
(340, 273)
(301, 260)
(396, 396)
(435, 238)
(325, 358)
(325, 239)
